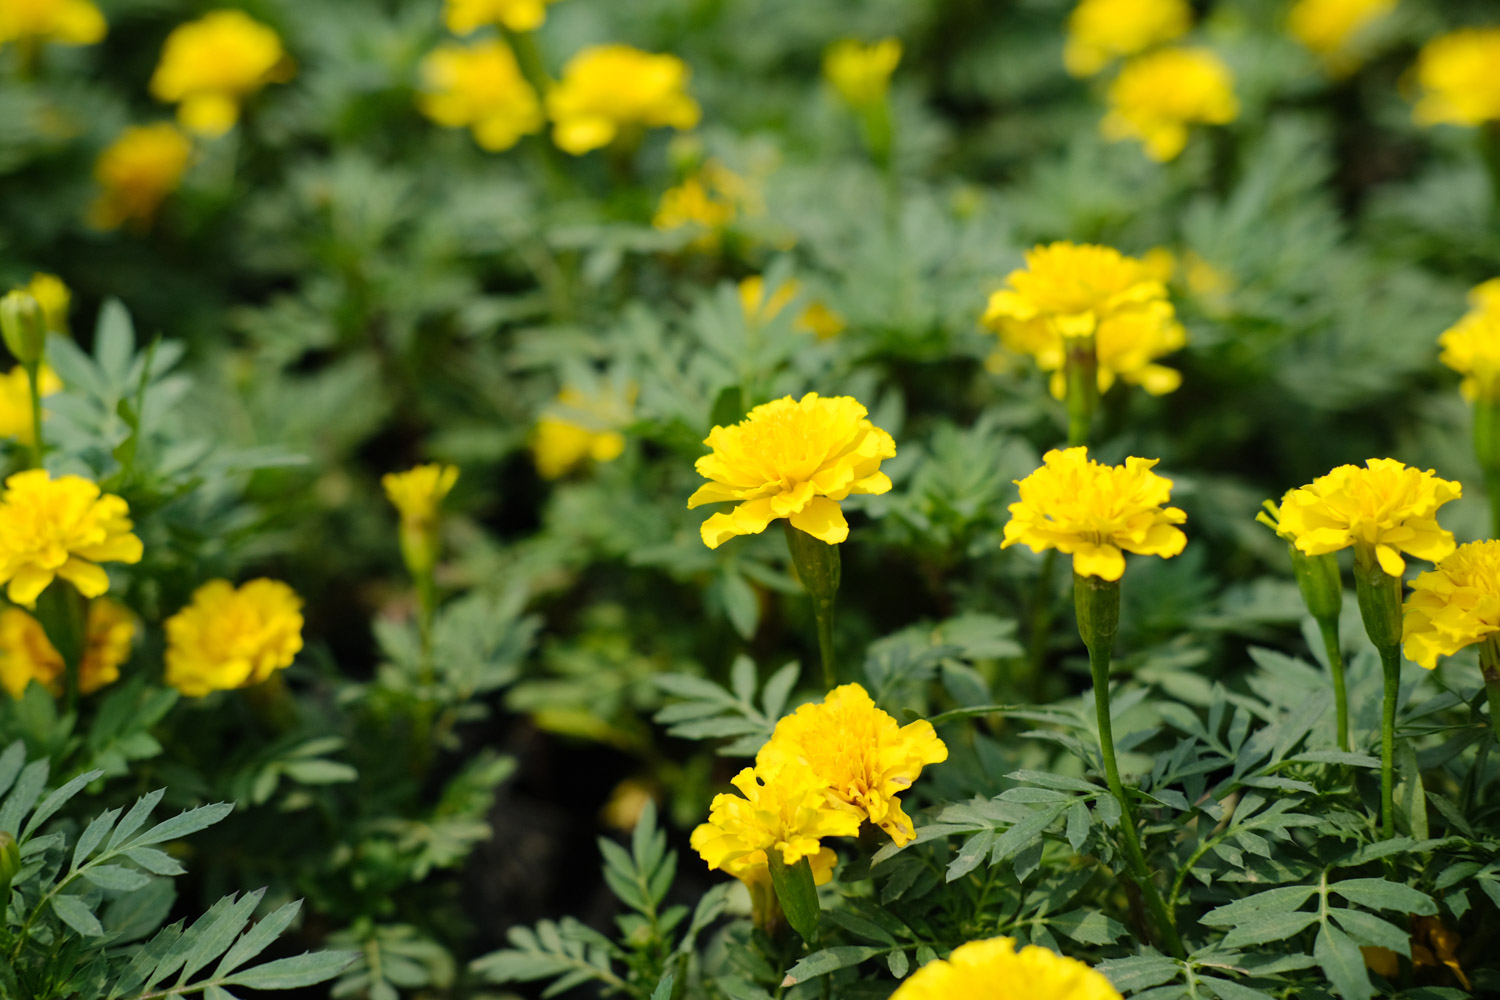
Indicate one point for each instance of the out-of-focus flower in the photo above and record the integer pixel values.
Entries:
(480, 87)
(15, 402)
(794, 459)
(1157, 96)
(54, 298)
(816, 318)
(1331, 28)
(821, 320)
(1433, 946)
(860, 73)
(626, 803)
(1457, 77)
(1454, 604)
(63, 22)
(60, 527)
(1384, 508)
(209, 66)
(607, 89)
(137, 172)
(1471, 346)
(26, 654)
(579, 428)
(993, 969)
(232, 637)
(1100, 31)
(1096, 513)
(710, 199)
(466, 16)
(418, 493)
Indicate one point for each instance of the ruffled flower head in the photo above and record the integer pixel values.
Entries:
(1471, 346)
(63, 22)
(1096, 513)
(480, 87)
(792, 458)
(209, 66)
(609, 88)
(580, 428)
(1458, 80)
(232, 637)
(136, 172)
(464, 17)
(1101, 31)
(26, 654)
(1331, 28)
(1157, 96)
(1453, 605)
(60, 527)
(994, 969)
(860, 73)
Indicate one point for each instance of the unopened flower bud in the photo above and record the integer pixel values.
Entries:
(24, 326)
(1319, 581)
(10, 863)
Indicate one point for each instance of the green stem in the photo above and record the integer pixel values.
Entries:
(823, 612)
(1390, 662)
(1330, 630)
(1487, 451)
(33, 381)
(1082, 373)
(1379, 595)
(1489, 666)
(818, 566)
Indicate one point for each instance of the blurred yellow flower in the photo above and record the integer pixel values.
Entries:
(821, 321)
(1471, 346)
(794, 459)
(608, 89)
(1382, 509)
(759, 310)
(65, 22)
(860, 73)
(1096, 513)
(579, 428)
(466, 16)
(1454, 604)
(1100, 31)
(54, 298)
(231, 638)
(1330, 28)
(418, 491)
(710, 199)
(993, 969)
(865, 758)
(1457, 75)
(136, 173)
(26, 654)
(1157, 96)
(480, 87)
(60, 527)
(209, 66)
(15, 402)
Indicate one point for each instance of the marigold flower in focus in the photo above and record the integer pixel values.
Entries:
(209, 66)
(63, 22)
(136, 173)
(993, 969)
(60, 527)
(606, 89)
(1157, 96)
(15, 402)
(1384, 508)
(1331, 28)
(1454, 604)
(1457, 76)
(794, 459)
(860, 73)
(232, 637)
(579, 428)
(464, 17)
(1096, 513)
(26, 654)
(480, 87)
(1471, 346)
(1100, 31)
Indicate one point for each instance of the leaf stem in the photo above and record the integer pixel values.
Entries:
(1330, 630)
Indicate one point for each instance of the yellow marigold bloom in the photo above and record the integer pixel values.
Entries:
(418, 491)
(54, 298)
(609, 88)
(1485, 296)
(821, 321)
(1101, 31)
(994, 970)
(1157, 96)
(862, 73)
(137, 172)
(1331, 27)
(209, 66)
(710, 199)
(759, 310)
(480, 87)
(1453, 605)
(26, 654)
(1385, 507)
(231, 638)
(66, 22)
(1471, 346)
(1096, 513)
(794, 459)
(60, 527)
(865, 758)
(580, 428)
(1456, 74)
(15, 402)
(463, 17)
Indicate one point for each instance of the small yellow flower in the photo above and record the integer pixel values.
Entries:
(26, 654)
(993, 969)
(1456, 73)
(821, 321)
(1453, 605)
(60, 527)
(464, 17)
(710, 199)
(136, 173)
(15, 402)
(418, 491)
(54, 298)
(794, 459)
(64, 22)
(759, 310)
(580, 428)
(1096, 513)
(1157, 96)
(860, 73)
(1382, 510)
(1471, 346)
(231, 638)
(1101, 31)
(865, 758)
(480, 87)
(209, 66)
(1331, 28)
(607, 89)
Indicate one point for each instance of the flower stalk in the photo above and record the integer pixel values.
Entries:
(1489, 667)
(1487, 451)
(1322, 589)
(1082, 376)
(24, 327)
(1379, 595)
(819, 568)
(64, 614)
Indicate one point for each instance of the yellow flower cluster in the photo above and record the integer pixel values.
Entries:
(60, 527)
(1096, 513)
(1453, 605)
(580, 428)
(860, 73)
(609, 89)
(759, 309)
(711, 199)
(232, 637)
(1382, 510)
(15, 402)
(1100, 31)
(480, 87)
(1331, 28)
(994, 970)
(136, 173)
(1457, 76)
(1471, 346)
(793, 459)
(1157, 96)
(26, 654)
(65, 22)
(209, 66)
(1069, 290)
(464, 17)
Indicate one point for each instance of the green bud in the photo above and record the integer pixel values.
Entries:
(24, 326)
(10, 865)
(1097, 604)
(1379, 596)
(1320, 582)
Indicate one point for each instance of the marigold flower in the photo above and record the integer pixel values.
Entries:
(464, 17)
(860, 73)
(15, 402)
(580, 428)
(1157, 96)
(1471, 346)
(794, 459)
(1100, 31)
(137, 172)
(1454, 604)
(1385, 507)
(232, 637)
(418, 491)
(1456, 73)
(54, 298)
(1331, 27)
(60, 527)
(710, 199)
(821, 321)
(209, 66)
(64, 22)
(1096, 513)
(608, 88)
(26, 654)
(759, 310)
(480, 87)
(866, 759)
(993, 969)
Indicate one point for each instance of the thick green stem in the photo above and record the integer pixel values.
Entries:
(1489, 666)
(63, 613)
(1487, 451)
(1081, 371)
(818, 565)
(1379, 596)
(33, 382)
(1330, 630)
(1390, 663)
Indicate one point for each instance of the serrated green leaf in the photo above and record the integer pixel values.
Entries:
(1343, 964)
(1382, 894)
(820, 963)
(115, 877)
(294, 973)
(76, 914)
(797, 894)
(183, 824)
